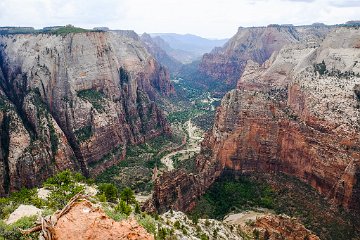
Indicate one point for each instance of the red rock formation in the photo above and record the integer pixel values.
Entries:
(225, 65)
(84, 221)
(74, 102)
(286, 117)
(282, 227)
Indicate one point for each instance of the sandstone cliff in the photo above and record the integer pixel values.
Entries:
(74, 101)
(224, 66)
(156, 47)
(298, 113)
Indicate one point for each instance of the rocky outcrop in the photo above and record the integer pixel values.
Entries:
(85, 221)
(74, 101)
(224, 66)
(155, 46)
(282, 227)
(295, 114)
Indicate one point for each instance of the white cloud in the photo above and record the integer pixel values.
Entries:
(209, 18)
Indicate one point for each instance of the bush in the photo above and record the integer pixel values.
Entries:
(64, 186)
(123, 207)
(12, 231)
(24, 196)
(117, 216)
(127, 195)
(147, 222)
(109, 190)
(137, 208)
(204, 237)
(177, 224)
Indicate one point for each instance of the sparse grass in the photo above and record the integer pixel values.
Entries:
(96, 98)
(68, 29)
(84, 133)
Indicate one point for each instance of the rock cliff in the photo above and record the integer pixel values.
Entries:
(74, 101)
(224, 66)
(156, 47)
(297, 113)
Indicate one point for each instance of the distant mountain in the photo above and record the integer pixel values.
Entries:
(187, 48)
(158, 48)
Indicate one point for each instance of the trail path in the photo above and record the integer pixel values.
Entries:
(193, 146)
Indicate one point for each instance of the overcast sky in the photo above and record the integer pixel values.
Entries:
(207, 18)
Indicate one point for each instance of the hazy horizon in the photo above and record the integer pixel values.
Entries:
(213, 19)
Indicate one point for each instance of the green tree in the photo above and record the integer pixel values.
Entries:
(109, 190)
(127, 195)
(123, 207)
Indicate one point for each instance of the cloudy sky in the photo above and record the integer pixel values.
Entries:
(208, 18)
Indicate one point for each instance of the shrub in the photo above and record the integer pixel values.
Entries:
(12, 231)
(177, 224)
(109, 190)
(127, 195)
(123, 207)
(117, 216)
(204, 237)
(148, 223)
(64, 186)
(137, 208)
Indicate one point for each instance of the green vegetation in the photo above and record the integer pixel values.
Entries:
(320, 68)
(96, 98)
(287, 195)
(56, 30)
(298, 199)
(136, 169)
(182, 116)
(68, 29)
(147, 222)
(189, 164)
(54, 140)
(84, 133)
(230, 193)
(124, 76)
(109, 191)
(123, 207)
(24, 196)
(64, 186)
(127, 195)
(12, 231)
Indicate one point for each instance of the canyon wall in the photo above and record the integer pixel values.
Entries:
(297, 113)
(156, 46)
(74, 101)
(224, 66)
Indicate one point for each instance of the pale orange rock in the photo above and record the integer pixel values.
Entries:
(85, 222)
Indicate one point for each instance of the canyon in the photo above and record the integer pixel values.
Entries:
(75, 101)
(101, 102)
(296, 113)
(222, 67)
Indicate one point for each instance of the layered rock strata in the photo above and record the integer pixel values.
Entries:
(224, 66)
(298, 114)
(74, 101)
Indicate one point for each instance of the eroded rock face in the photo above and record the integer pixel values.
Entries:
(154, 46)
(288, 115)
(84, 221)
(74, 102)
(224, 66)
